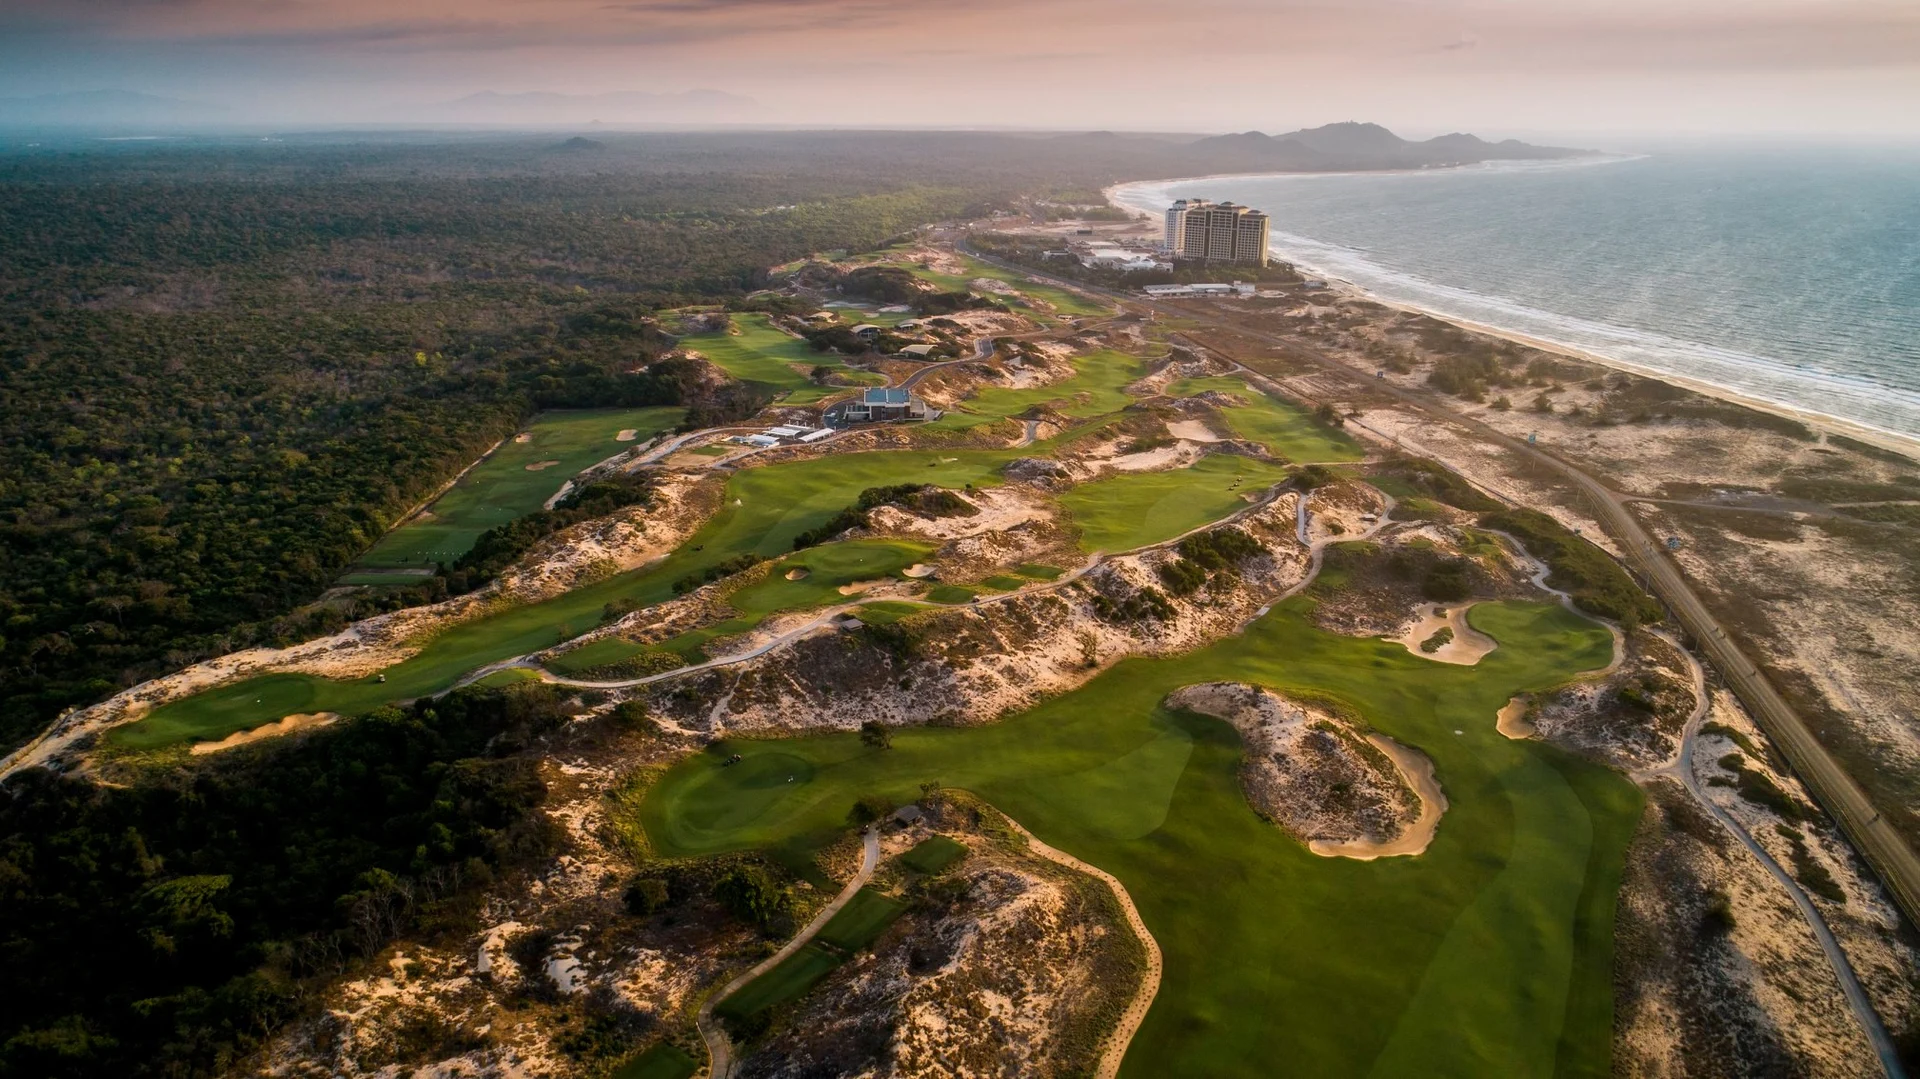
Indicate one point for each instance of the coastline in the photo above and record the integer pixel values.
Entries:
(1823, 422)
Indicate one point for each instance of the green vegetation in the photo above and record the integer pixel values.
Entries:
(887, 612)
(1039, 572)
(663, 1061)
(861, 921)
(754, 350)
(933, 854)
(508, 677)
(515, 480)
(1096, 389)
(156, 932)
(1128, 510)
(951, 593)
(775, 504)
(1285, 428)
(787, 981)
(1595, 581)
(1489, 954)
(1058, 300)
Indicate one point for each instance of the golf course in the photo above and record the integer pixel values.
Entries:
(517, 478)
(1283, 427)
(753, 350)
(1490, 954)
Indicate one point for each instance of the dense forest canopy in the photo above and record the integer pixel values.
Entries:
(226, 366)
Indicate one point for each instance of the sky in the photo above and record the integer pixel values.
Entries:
(1496, 67)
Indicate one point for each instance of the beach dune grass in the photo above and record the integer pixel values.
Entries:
(502, 488)
(1284, 427)
(763, 510)
(1490, 954)
(1133, 509)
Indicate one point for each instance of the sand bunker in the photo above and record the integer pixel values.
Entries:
(523, 437)
(1512, 720)
(1466, 646)
(627, 434)
(1192, 431)
(918, 569)
(286, 725)
(539, 465)
(796, 575)
(1417, 770)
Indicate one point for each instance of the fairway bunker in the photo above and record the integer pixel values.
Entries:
(539, 466)
(1416, 768)
(285, 725)
(797, 574)
(1512, 719)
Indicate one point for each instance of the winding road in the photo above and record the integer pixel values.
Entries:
(719, 1048)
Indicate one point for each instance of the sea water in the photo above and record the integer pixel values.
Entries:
(1786, 276)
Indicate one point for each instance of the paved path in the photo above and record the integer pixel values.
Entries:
(1117, 1042)
(1681, 768)
(719, 1048)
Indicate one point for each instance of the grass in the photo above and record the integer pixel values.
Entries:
(1040, 572)
(933, 854)
(951, 593)
(1282, 426)
(663, 1061)
(1062, 302)
(507, 677)
(597, 654)
(763, 509)
(378, 578)
(754, 350)
(501, 489)
(887, 612)
(1133, 509)
(789, 980)
(861, 921)
(1097, 388)
(713, 450)
(1491, 954)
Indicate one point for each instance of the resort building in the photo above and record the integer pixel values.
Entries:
(1217, 232)
(884, 403)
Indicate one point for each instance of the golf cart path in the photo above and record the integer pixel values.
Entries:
(719, 1048)
(1122, 1036)
(1681, 768)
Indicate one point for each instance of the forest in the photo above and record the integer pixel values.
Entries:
(226, 366)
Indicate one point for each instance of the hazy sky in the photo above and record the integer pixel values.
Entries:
(1423, 66)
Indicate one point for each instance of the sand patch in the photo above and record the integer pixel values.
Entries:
(796, 575)
(1466, 645)
(523, 437)
(1192, 431)
(1417, 770)
(1511, 720)
(286, 725)
(627, 434)
(538, 466)
(918, 570)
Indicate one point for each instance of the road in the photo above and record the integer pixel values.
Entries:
(1875, 837)
(719, 1049)
(1681, 768)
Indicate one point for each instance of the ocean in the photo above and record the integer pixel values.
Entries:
(1785, 276)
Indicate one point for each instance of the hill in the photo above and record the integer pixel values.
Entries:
(1353, 145)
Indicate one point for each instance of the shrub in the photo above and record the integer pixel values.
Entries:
(646, 895)
(1596, 582)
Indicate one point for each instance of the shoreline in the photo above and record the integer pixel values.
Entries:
(1822, 423)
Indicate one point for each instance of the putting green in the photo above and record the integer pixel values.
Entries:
(1133, 509)
(1490, 954)
(1282, 426)
(1096, 389)
(504, 487)
(754, 350)
(762, 511)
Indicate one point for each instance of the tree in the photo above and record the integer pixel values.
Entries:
(632, 715)
(869, 808)
(646, 895)
(875, 735)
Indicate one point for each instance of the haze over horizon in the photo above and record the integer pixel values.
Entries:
(1846, 68)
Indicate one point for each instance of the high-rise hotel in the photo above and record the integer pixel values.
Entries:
(1216, 232)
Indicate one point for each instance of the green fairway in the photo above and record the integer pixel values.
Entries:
(503, 488)
(763, 509)
(861, 921)
(933, 854)
(663, 1061)
(887, 612)
(1490, 954)
(1282, 426)
(1133, 509)
(787, 981)
(1094, 390)
(754, 350)
(1062, 301)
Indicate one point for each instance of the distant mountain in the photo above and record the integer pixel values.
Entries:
(102, 108)
(618, 107)
(1354, 145)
